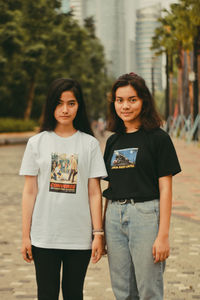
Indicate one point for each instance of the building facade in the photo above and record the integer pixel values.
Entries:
(125, 28)
(148, 65)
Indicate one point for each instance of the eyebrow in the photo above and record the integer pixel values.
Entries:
(128, 97)
(72, 100)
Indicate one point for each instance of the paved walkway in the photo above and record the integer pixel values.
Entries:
(182, 276)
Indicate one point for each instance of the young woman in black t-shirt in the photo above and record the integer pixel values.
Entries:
(140, 160)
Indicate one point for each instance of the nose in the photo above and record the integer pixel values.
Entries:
(126, 105)
(64, 108)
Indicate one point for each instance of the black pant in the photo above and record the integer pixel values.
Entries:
(48, 265)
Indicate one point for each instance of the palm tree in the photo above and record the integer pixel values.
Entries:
(185, 32)
(165, 42)
(194, 7)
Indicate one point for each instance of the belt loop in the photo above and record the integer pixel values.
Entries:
(132, 202)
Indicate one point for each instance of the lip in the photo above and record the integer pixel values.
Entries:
(126, 113)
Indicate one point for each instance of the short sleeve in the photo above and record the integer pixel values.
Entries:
(106, 154)
(110, 141)
(29, 165)
(97, 166)
(167, 161)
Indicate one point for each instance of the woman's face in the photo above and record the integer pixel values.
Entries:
(66, 109)
(128, 105)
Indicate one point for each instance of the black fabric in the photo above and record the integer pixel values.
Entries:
(48, 266)
(155, 157)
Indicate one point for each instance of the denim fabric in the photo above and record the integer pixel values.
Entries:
(131, 230)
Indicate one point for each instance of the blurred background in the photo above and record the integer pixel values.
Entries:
(95, 41)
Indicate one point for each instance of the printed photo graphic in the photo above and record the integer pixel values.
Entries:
(64, 170)
(124, 158)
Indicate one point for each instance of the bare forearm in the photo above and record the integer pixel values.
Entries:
(96, 211)
(28, 202)
(165, 208)
(165, 214)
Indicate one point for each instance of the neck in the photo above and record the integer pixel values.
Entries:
(132, 127)
(64, 130)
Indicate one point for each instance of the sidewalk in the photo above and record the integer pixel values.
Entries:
(182, 276)
(13, 138)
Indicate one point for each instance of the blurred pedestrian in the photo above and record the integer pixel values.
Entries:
(140, 160)
(58, 216)
(101, 126)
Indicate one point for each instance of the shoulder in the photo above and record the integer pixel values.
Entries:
(112, 138)
(158, 135)
(38, 137)
(88, 139)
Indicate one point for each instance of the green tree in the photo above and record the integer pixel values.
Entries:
(177, 32)
(43, 44)
(164, 41)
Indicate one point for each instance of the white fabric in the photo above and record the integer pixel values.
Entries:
(61, 218)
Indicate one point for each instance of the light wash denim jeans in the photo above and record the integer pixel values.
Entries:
(131, 230)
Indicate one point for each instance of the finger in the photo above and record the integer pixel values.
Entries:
(162, 257)
(94, 259)
(157, 257)
(93, 252)
(99, 254)
(25, 257)
(154, 252)
(29, 251)
(167, 255)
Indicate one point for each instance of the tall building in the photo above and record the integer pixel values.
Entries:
(77, 7)
(148, 66)
(65, 6)
(125, 28)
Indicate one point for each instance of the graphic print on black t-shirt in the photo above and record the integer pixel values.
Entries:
(63, 173)
(124, 158)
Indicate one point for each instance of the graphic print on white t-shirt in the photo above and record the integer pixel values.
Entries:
(124, 158)
(64, 169)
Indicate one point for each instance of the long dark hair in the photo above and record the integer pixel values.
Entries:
(149, 116)
(56, 88)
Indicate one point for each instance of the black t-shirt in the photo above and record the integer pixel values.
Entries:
(135, 161)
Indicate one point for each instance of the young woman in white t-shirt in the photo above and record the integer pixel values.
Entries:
(61, 203)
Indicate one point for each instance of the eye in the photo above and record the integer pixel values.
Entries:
(132, 100)
(118, 100)
(72, 103)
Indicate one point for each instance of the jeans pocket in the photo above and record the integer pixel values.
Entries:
(148, 207)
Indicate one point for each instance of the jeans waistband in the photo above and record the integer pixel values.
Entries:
(131, 200)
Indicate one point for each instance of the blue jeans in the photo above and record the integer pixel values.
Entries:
(131, 230)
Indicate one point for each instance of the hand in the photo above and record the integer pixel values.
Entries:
(161, 249)
(26, 250)
(97, 248)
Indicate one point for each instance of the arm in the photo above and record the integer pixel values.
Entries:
(96, 214)
(161, 246)
(28, 202)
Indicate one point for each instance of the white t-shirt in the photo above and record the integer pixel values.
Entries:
(61, 216)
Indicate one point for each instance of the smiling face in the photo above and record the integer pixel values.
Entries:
(66, 109)
(128, 106)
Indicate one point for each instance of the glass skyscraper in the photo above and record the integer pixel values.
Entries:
(148, 66)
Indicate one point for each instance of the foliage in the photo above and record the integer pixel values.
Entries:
(39, 43)
(16, 125)
(176, 34)
(160, 102)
